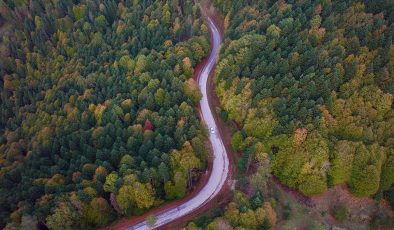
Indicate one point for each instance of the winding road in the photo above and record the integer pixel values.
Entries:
(220, 167)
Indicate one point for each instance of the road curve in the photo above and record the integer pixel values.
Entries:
(220, 167)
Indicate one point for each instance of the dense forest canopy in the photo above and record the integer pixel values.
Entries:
(97, 110)
(312, 81)
(98, 118)
(307, 87)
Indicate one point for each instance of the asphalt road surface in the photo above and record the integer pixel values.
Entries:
(220, 166)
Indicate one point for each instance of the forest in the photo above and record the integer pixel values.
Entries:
(307, 89)
(99, 120)
(310, 85)
(97, 117)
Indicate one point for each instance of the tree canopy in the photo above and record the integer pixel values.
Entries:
(312, 81)
(97, 101)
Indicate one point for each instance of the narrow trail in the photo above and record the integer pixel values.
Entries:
(220, 164)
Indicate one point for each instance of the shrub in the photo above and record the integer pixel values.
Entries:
(340, 212)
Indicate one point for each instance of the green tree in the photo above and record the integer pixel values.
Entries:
(387, 176)
(365, 177)
(236, 141)
(176, 189)
(232, 214)
(273, 31)
(79, 11)
(142, 195)
(312, 185)
(126, 62)
(110, 182)
(124, 199)
(192, 90)
(342, 164)
(63, 217)
(364, 182)
(97, 213)
(185, 159)
(166, 14)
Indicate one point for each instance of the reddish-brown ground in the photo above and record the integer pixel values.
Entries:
(361, 209)
(319, 207)
(225, 195)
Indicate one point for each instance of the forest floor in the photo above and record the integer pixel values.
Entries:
(303, 210)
